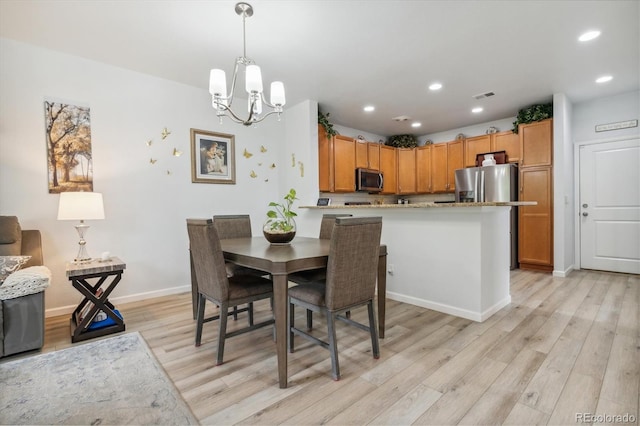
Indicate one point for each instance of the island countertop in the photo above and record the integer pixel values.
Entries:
(426, 205)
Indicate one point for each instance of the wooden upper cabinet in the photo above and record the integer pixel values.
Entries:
(362, 154)
(536, 143)
(388, 167)
(344, 160)
(325, 161)
(439, 167)
(455, 161)
(423, 169)
(474, 146)
(373, 150)
(509, 142)
(406, 170)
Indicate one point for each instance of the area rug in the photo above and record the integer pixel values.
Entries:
(112, 381)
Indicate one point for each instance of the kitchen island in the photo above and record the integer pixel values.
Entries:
(449, 257)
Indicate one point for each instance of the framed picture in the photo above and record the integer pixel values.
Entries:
(212, 157)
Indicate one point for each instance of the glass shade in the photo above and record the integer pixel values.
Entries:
(218, 83)
(277, 93)
(253, 79)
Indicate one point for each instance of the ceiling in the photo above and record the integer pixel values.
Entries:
(348, 54)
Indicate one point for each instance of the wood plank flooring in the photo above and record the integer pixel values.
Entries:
(564, 346)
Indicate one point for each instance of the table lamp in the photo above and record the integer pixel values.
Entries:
(81, 206)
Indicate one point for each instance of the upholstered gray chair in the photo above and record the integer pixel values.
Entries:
(236, 226)
(350, 282)
(317, 275)
(214, 285)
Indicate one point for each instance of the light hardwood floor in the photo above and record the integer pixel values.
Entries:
(564, 346)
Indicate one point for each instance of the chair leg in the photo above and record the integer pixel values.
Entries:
(309, 319)
(222, 334)
(250, 307)
(373, 328)
(291, 325)
(333, 347)
(200, 318)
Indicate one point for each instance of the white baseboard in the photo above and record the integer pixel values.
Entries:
(65, 310)
(448, 309)
(563, 274)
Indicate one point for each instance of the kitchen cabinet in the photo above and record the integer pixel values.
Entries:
(446, 158)
(367, 155)
(344, 164)
(503, 141)
(406, 170)
(535, 223)
(388, 167)
(325, 161)
(423, 169)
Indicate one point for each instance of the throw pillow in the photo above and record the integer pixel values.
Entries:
(10, 264)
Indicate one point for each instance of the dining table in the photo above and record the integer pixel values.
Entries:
(280, 260)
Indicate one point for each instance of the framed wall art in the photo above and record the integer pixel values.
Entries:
(212, 157)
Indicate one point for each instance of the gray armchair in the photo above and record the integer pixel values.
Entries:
(21, 318)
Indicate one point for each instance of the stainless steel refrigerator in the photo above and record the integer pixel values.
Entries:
(491, 183)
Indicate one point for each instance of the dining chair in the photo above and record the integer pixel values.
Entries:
(216, 286)
(350, 282)
(236, 226)
(317, 275)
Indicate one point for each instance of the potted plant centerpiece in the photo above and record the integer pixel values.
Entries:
(280, 228)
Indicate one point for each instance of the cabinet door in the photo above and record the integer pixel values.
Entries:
(455, 161)
(423, 169)
(535, 223)
(536, 143)
(474, 146)
(325, 163)
(362, 154)
(439, 167)
(388, 169)
(374, 155)
(509, 142)
(406, 170)
(344, 159)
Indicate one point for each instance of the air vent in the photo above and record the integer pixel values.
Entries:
(401, 118)
(483, 95)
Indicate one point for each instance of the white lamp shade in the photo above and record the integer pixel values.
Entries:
(277, 93)
(218, 83)
(80, 206)
(253, 79)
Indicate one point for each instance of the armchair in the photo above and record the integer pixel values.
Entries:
(22, 309)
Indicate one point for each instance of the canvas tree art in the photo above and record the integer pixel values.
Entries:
(68, 135)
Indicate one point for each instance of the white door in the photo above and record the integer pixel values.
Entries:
(610, 206)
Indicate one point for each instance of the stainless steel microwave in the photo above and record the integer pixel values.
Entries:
(369, 180)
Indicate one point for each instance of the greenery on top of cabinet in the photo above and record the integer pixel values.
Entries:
(323, 120)
(402, 141)
(533, 113)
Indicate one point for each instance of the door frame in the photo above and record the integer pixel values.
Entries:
(576, 189)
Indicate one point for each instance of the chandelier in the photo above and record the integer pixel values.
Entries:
(253, 85)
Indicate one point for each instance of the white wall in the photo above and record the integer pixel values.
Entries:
(612, 109)
(468, 131)
(145, 207)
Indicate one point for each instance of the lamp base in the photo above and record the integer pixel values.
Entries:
(83, 255)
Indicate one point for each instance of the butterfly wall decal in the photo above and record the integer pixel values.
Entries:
(152, 161)
(165, 133)
(149, 142)
(247, 154)
(253, 174)
(262, 148)
(176, 153)
(272, 166)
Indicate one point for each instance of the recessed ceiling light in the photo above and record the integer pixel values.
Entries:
(604, 79)
(589, 35)
(369, 108)
(416, 124)
(435, 86)
(477, 110)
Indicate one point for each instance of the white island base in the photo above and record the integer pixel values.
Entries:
(450, 258)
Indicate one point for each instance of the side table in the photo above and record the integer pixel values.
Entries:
(79, 274)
